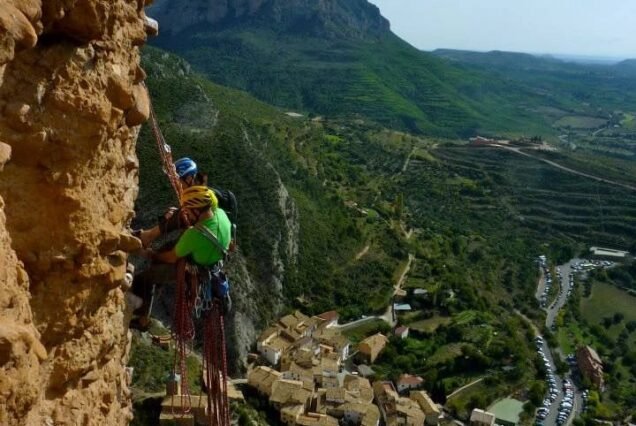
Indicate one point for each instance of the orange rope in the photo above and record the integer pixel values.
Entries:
(165, 152)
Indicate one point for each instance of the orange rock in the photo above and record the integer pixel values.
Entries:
(140, 112)
(119, 92)
(5, 154)
(64, 342)
(13, 21)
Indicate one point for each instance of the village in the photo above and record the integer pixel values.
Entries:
(312, 375)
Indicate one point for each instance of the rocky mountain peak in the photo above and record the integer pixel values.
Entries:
(322, 18)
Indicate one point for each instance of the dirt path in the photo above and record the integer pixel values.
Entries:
(389, 315)
(362, 252)
(407, 234)
(400, 281)
(569, 170)
(530, 323)
(464, 387)
(408, 160)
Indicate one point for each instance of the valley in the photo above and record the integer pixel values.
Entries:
(370, 195)
(477, 217)
(439, 238)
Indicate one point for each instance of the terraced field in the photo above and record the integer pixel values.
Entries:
(528, 194)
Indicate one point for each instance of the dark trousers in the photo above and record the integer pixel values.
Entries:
(146, 284)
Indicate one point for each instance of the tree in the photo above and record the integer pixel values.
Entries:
(438, 394)
(477, 401)
(536, 392)
(618, 317)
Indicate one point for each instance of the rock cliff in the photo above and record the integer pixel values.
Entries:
(71, 104)
(324, 18)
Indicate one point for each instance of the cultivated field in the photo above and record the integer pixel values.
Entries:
(580, 122)
(606, 300)
(534, 195)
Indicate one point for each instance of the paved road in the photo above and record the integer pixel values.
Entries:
(352, 324)
(566, 270)
(562, 299)
(562, 279)
(551, 419)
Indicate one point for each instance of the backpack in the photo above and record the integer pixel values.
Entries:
(227, 201)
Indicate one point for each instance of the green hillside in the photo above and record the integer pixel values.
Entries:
(380, 78)
(248, 146)
(592, 89)
(372, 74)
(466, 204)
(367, 197)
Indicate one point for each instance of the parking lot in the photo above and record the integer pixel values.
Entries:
(564, 399)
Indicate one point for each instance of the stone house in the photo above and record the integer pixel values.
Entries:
(591, 366)
(481, 418)
(408, 382)
(371, 347)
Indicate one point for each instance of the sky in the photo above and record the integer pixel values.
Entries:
(597, 28)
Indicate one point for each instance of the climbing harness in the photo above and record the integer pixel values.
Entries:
(197, 299)
(203, 230)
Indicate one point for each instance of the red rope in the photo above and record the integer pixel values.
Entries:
(183, 333)
(225, 406)
(215, 364)
(165, 152)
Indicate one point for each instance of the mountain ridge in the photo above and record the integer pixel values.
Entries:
(340, 59)
(324, 18)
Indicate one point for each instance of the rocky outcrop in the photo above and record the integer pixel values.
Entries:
(71, 104)
(323, 18)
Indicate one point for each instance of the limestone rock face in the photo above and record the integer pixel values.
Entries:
(70, 103)
(323, 18)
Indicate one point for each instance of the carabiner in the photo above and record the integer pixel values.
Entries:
(198, 306)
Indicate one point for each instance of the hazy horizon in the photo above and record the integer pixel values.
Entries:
(580, 29)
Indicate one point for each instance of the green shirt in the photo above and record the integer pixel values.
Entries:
(203, 251)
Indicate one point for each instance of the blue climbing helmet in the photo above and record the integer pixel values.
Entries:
(185, 167)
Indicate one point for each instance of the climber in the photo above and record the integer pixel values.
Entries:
(208, 240)
(204, 245)
(172, 219)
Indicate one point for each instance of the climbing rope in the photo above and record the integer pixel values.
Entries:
(194, 297)
(188, 304)
(215, 366)
(183, 333)
(165, 152)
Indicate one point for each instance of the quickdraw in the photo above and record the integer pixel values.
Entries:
(205, 306)
(204, 299)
